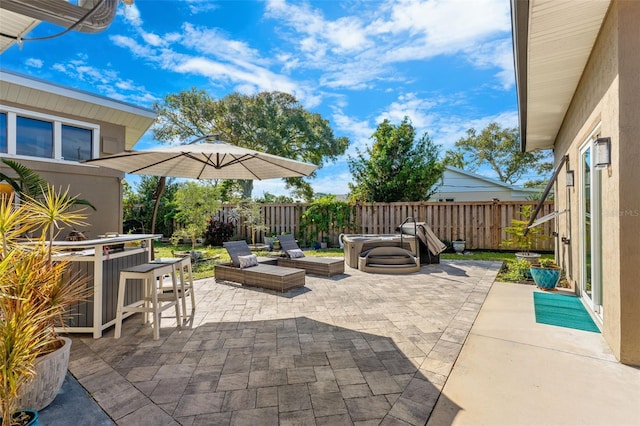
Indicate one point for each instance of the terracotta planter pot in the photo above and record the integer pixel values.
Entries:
(51, 370)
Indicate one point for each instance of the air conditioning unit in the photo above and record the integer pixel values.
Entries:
(91, 16)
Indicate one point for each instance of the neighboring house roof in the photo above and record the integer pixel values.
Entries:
(484, 184)
(552, 43)
(32, 92)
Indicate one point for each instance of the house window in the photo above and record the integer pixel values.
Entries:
(3, 132)
(76, 143)
(33, 134)
(34, 137)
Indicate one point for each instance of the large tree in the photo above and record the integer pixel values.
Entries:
(397, 167)
(499, 148)
(272, 122)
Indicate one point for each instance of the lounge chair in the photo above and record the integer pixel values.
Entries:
(246, 270)
(322, 266)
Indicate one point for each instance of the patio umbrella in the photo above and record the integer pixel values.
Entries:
(216, 160)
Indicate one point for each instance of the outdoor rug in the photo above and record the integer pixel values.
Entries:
(563, 311)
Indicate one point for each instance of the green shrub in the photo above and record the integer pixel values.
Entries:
(515, 271)
(547, 263)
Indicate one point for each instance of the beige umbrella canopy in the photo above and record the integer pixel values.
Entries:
(217, 160)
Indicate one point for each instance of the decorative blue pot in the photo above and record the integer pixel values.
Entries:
(32, 414)
(545, 278)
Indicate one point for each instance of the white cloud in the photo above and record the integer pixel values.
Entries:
(358, 131)
(107, 82)
(34, 63)
(200, 6)
(357, 51)
(498, 54)
(411, 106)
(219, 58)
(131, 14)
(332, 182)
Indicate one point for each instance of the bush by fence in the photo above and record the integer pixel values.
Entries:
(480, 224)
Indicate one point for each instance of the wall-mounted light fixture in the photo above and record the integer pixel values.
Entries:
(602, 151)
(569, 178)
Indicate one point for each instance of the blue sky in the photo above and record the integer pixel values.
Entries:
(446, 64)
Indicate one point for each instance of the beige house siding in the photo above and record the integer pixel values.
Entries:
(609, 95)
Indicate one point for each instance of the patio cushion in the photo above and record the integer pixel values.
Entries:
(247, 261)
(295, 253)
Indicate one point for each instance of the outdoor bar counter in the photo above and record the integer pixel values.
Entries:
(101, 261)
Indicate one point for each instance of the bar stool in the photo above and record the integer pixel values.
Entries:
(182, 265)
(154, 299)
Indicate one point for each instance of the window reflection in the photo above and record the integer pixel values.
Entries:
(34, 137)
(3, 132)
(76, 143)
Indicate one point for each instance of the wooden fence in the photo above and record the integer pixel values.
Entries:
(480, 224)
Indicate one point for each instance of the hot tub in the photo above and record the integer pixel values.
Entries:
(354, 244)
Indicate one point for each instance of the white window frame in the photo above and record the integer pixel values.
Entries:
(57, 121)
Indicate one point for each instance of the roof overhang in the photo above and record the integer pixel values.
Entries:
(30, 92)
(19, 17)
(552, 42)
(14, 26)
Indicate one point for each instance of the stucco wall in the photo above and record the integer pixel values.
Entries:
(628, 164)
(102, 189)
(608, 94)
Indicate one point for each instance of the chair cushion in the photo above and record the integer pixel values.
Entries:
(295, 253)
(247, 261)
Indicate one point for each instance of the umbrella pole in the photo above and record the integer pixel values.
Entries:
(159, 191)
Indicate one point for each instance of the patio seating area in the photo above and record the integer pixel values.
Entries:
(322, 266)
(256, 274)
(342, 350)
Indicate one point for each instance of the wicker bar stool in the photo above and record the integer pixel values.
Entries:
(154, 300)
(182, 266)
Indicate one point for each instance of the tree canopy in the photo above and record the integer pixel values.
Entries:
(138, 203)
(271, 122)
(397, 167)
(499, 148)
(195, 204)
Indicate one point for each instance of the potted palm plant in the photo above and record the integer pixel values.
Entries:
(36, 291)
(546, 274)
(523, 238)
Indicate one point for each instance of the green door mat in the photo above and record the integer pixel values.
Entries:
(563, 311)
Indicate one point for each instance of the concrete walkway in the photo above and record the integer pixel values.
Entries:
(513, 371)
(358, 349)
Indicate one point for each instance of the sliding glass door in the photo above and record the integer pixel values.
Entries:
(590, 229)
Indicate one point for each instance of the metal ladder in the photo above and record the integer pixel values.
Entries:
(415, 235)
